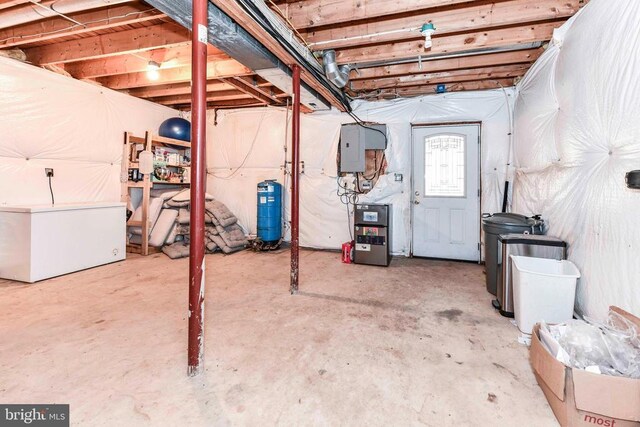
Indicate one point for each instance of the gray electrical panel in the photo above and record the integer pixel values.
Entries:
(354, 139)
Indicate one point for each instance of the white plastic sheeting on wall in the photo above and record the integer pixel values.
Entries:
(577, 132)
(52, 121)
(247, 146)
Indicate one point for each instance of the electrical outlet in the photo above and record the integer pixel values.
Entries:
(48, 172)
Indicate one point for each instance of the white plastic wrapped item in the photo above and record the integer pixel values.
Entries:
(611, 348)
(576, 135)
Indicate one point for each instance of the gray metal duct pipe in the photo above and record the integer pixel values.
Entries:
(37, 10)
(233, 40)
(337, 74)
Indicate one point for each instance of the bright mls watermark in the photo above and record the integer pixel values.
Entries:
(34, 415)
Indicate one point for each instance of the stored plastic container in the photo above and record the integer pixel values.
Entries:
(503, 223)
(543, 290)
(526, 245)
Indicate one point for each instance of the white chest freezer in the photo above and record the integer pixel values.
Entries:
(38, 242)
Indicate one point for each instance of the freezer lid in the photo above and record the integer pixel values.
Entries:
(59, 207)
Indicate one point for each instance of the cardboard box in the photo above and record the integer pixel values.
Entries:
(581, 398)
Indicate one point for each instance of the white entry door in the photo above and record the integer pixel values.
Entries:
(446, 192)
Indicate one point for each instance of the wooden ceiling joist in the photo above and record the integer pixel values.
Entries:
(455, 87)
(170, 57)
(216, 69)
(505, 71)
(449, 44)
(211, 96)
(113, 45)
(527, 56)
(250, 90)
(484, 15)
(6, 4)
(317, 13)
(92, 20)
(176, 89)
(129, 41)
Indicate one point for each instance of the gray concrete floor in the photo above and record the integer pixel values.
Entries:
(413, 344)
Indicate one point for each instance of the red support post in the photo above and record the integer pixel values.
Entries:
(198, 183)
(295, 185)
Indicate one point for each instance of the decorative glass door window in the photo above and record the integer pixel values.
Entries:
(444, 166)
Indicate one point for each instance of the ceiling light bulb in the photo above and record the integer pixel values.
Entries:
(153, 72)
(427, 30)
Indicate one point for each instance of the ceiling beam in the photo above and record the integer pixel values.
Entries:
(500, 72)
(217, 69)
(316, 13)
(482, 16)
(527, 56)
(221, 105)
(92, 20)
(170, 57)
(266, 88)
(5, 4)
(449, 43)
(118, 43)
(226, 95)
(250, 90)
(175, 89)
(455, 87)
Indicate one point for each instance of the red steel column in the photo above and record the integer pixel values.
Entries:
(295, 186)
(198, 182)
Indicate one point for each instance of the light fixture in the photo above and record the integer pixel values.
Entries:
(153, 72)
(427, 30)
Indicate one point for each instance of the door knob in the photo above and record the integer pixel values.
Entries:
(417, 193)
(416, 202)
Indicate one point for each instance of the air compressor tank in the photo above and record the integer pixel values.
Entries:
(269, 211)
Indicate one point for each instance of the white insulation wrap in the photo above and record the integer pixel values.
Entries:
(51, 121)
(577, 132)
(247, 146)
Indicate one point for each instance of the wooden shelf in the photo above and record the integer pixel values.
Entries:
(157, 139)
(169, 183)
(160, 140)
(148, 142)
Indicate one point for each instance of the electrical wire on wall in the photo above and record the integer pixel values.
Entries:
(505, 196)
(253, 143)
(349, 197)
(53, 202)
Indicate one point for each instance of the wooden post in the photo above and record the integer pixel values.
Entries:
(146, 193)
(295, 185)
(198, 183)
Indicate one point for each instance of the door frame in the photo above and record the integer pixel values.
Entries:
(411, 181)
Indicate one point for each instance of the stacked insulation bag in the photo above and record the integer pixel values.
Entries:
(169, 215)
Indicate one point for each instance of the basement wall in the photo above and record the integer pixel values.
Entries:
(247, 146)
(577, 132)
(51, 121)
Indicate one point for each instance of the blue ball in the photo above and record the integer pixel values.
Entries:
(176, 128)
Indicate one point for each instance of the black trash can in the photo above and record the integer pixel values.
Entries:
(503, 223)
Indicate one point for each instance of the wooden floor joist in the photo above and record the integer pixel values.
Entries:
(483, 16)
(217, 69)
(501, 72)
(167, 57)
(129, 41)
(448, 44)
(92, 20)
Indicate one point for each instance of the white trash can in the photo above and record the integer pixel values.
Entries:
(543, 289)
